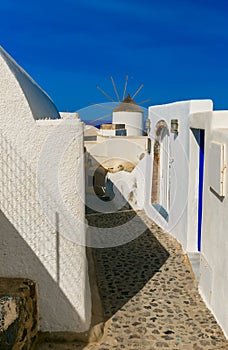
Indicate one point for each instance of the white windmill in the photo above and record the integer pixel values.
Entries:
(126, 111)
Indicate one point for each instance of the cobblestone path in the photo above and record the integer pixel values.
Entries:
(149, 295)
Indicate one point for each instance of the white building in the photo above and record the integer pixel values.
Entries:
(213, 282)
(172, 198)
(31, 220)
(186, 193)
(113, 130)
(181, 182)
(130, 114)
(179, 176)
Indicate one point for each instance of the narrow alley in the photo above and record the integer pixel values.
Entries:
(148, 294)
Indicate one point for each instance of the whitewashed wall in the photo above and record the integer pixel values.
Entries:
(180, 220)
(30, 245)
(133, 121)
(132, 185)
(213, 282)
(39, 102)
(125, 148)
(184, 182)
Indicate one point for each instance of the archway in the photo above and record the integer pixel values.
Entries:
(160, 194)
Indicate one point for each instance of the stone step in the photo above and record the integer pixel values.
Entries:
(18, 314)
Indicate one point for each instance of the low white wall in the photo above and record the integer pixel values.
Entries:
(132, 185)
(125, 149)
(128, 149)
(33, 241)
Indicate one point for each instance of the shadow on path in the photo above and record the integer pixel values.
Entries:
(122, 271)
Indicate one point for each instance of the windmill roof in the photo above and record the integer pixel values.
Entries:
(128, 105)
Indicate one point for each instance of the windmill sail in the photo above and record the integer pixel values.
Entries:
(115, 89)
(137, 91)
(125, 87)
(105, 93)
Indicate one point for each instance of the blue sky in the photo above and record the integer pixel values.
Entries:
(178, 49)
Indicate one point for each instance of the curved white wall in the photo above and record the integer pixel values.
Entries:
(133, 122)
(39, 102)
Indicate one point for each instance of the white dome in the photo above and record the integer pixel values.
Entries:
(12, 79)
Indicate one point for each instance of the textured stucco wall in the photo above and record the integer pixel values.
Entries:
(30, 245)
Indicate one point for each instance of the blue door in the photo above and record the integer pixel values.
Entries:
(201, 178)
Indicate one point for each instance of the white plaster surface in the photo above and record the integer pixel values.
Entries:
(39, 102)
(213, 282)
(133, 122)
(122, 150)
(128, 149)
(183, 189)
(131, 185)
(183, 215)
(65, 115)
(30, 245)
(115, 132)
(216, 167)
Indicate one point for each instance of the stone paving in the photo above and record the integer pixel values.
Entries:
(149, 295)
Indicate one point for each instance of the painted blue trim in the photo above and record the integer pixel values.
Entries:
(201, 178)
(161, 211)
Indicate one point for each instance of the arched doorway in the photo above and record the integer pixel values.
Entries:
(160, 194)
